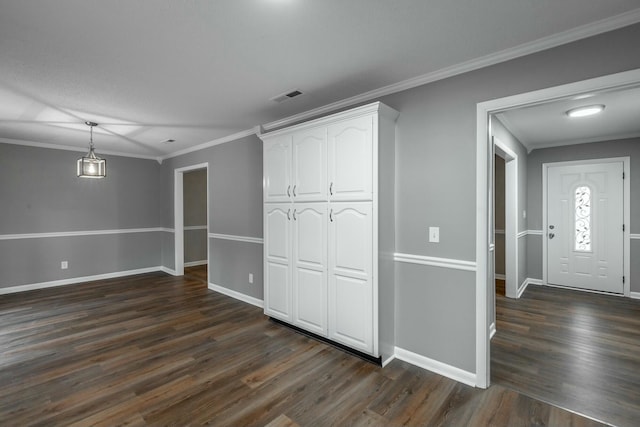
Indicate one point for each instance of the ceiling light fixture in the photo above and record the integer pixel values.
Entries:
(91, 166)
(588, 110)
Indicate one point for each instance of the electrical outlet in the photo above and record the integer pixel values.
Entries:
(250, 277)
(64, 265)
(434, 234)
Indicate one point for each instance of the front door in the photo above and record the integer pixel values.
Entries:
(584, 233)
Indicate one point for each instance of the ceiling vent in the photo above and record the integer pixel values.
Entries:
(286, 96)
(168, 141)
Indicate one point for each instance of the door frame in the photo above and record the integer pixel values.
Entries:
(512, 288)
(178, 214)
(483, 139)
(626, 241)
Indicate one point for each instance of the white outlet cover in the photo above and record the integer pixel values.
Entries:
(434, 234)
(64, 265)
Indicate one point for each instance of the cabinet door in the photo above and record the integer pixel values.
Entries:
(350, 275)
(351, 159)
(277, 169)
(277, 260)
(310, 165)
(310, 266)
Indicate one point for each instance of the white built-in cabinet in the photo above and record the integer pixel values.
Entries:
(329, 227)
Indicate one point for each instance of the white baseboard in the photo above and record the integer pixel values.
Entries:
(237, 295)
(74, 280)
(634, 295)
(492, 330)
(440, 368)
(195, 263)
(528, 281)
(168, 270)
(500, 276)
(388, 360)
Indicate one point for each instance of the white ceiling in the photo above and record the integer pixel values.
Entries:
(547, 125)
(200, 71)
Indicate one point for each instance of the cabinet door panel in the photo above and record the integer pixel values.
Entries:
(277, 169)
(277, 253)
(352, 312)
(310, 266)
(350, 275)
(351, 159)
(310, 165)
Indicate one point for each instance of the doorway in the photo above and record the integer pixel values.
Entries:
(195, 226)
(484, 159)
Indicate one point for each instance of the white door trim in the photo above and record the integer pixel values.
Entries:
(178, 214)
(483, 111)
(626, 161)
(510, 217)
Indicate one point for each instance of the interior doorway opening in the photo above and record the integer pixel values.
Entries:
(191, 228)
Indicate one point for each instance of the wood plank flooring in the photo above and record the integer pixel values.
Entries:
(576, 350)
(160, 350)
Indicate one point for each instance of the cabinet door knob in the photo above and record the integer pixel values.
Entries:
(289, 214)
(294, 190)
(331, 189)
(551, 235)
(294, 215)
(331, 215)
(289, 191)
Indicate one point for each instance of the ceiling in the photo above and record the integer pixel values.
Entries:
(548, 125)
(200, 72)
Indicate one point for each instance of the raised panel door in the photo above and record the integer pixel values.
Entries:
(310, 266)
(277, 169)
(351, 159)
(277, 254)
(350, 274)
(310, 165)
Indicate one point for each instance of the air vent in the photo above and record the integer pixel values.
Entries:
(286, 96)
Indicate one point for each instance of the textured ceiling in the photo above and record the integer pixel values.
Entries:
(198, 71)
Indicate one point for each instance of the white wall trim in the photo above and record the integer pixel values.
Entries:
(78, 233)
(634, 236)
(522, 234)
(196, 263)
(194, 227)
(388, 360)
(218, 141)
(233, 237)
(168, 270)
(75, 280)
(528, 281)
(539, 45)
(534, 232)
(456, 264)
(237, 295)
(440, 368)
(167, 230)
(634, 295)
(492, 330)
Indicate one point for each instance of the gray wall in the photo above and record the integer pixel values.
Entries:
(235, 198)
(436, 185)
(597, 150)
(195, 214)
(40, 193)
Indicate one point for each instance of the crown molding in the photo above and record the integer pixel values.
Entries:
(229, 138)
(72, 148)
(574, 34)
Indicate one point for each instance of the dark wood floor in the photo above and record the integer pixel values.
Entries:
(160, 350)
(576, 350)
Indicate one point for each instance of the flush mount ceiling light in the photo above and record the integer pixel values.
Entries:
(91, 166)
(588, 110)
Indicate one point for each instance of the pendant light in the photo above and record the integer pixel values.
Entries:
(91, 166)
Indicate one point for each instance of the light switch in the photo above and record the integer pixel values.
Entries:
(434, 234)
(250, 277)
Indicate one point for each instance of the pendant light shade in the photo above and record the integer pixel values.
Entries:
(91, 166)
